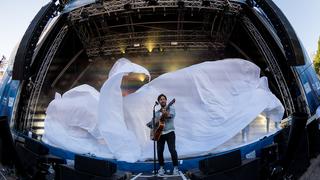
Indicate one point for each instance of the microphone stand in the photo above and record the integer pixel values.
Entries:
(154, 141)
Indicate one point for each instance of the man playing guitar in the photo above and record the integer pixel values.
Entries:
(166, 113)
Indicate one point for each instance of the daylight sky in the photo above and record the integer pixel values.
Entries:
(304, 16)
(15, 16)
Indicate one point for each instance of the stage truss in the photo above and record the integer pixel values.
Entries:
(115, 27)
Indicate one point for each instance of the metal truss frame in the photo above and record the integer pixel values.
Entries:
(185, 39)
(216, 29)
(37, 85)
(118, 6)
(99, 37)
(163, 45)
(272, 64)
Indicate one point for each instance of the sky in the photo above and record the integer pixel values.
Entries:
(304, 16)
(16, 15)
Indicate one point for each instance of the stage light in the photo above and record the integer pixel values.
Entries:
(149, 46)
(159, 48)
(205, 3)
(141, 77)
(152, 2)
(174, 43)
(180, 4)
(122, 50)
(127, 6)
(136, 45)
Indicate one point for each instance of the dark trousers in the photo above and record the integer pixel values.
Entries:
(171, 141)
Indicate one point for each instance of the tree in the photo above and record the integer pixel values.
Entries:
(316, 60)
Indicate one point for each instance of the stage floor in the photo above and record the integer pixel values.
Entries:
(145, 176)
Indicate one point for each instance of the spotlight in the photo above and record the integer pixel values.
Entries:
(180, 4)
(123, 50)
(150, 50)
(174, 43)
(152, 2)
(136, 45)
(206, 3)
(127, 6)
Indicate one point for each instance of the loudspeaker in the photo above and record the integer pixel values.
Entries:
(35, 165)
(269, 154)
(36, 146)
(7, 150)
(249, 170)
(301, 159)
(94, 166)
(29, 160)
(270, 168)
(67, 172)
(221, 162)
(314, 136)
(298, 125)
(282, 138)
(296, 158)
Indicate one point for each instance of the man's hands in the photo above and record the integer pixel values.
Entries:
(165, 113)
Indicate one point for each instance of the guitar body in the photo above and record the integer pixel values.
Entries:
(158, 131)
(161, 123)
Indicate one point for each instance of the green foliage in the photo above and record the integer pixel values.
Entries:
(316, 60)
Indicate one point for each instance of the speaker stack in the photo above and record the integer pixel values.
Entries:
(314, 136)
(296, 159)
(7, 150)
(36, 160)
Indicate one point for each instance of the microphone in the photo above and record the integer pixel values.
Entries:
(156, 103)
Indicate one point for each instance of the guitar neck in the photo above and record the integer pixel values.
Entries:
(170, 104)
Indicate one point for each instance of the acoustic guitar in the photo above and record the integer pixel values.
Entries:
(160, 123)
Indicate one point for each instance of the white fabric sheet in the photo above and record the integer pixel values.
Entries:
(71, 122)
(214, 101)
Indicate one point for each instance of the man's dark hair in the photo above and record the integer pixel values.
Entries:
(161, 96)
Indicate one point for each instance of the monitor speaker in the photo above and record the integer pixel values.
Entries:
(91, 165)
(249, 170)
(220, 163)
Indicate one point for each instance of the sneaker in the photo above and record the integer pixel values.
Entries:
(175, 171)
(161, 171)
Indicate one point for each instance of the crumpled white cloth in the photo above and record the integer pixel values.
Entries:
(214, 101)
(71, 122)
